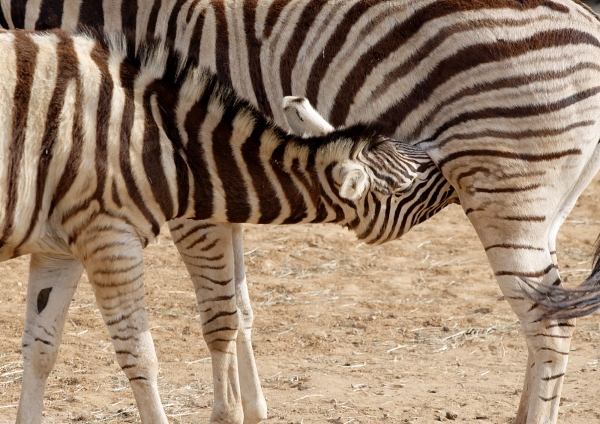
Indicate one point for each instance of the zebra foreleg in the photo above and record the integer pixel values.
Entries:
(52, 282)
(207, 251)
(113, 261)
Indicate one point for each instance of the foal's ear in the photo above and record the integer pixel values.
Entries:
(303, 119)
(353, 179)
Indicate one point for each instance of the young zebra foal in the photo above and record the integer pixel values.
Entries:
(97, 164)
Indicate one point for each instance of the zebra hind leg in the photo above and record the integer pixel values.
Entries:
(207, 252)
(548, 340)
(112, 257)
(253, 400)
(52, 282)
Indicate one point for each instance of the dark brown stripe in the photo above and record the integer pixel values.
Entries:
(203, 188)
(201, 239)
(290, 56)
(560, 324)
(295, 200)
(253, 46)
(17, 13)
(115, 194)
(152, 158)
(125, 352)
(202, 257)
(216, 299)
(128, 73)
(273, 13)
(209, 246)
(524, 218)
(236, 194)
(470, 173)
(50, 17)
(527, 157)
(167, 91)
(514, 246)
(91, 13)
(129, 10)
(527, 274)
(122, 338)
(219, 267)
(217, 330)
(323, 200)
(222, 42)
(172, 26)
(3, 21)
(100, 57)
(26, 54)
(371, 224)
(270, 206)
(149, 31)
(507, 189)
(220, 315)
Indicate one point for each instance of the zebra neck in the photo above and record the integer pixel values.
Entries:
(244, 169)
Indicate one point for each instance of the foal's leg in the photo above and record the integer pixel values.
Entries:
(52, 282)
(112, 257)
(253, 400)
(207, 251)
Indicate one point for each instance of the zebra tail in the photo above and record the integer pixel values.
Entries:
(566, 303)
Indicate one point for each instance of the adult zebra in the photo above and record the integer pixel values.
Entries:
(502, 94)
(205, 247)
(112, 165)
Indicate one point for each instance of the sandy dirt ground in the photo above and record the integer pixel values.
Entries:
(410, 332)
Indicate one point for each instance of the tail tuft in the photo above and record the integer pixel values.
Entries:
(566, 303)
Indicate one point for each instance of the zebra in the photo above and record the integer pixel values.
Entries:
(500, 93)
(111, 165)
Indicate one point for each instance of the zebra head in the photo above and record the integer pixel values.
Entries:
(405, 188)
(392, 185)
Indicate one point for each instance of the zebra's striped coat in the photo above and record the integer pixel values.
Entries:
(95, 165)
(502, 94)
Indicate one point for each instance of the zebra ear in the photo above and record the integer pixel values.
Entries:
(303, 119)
(353, 181)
